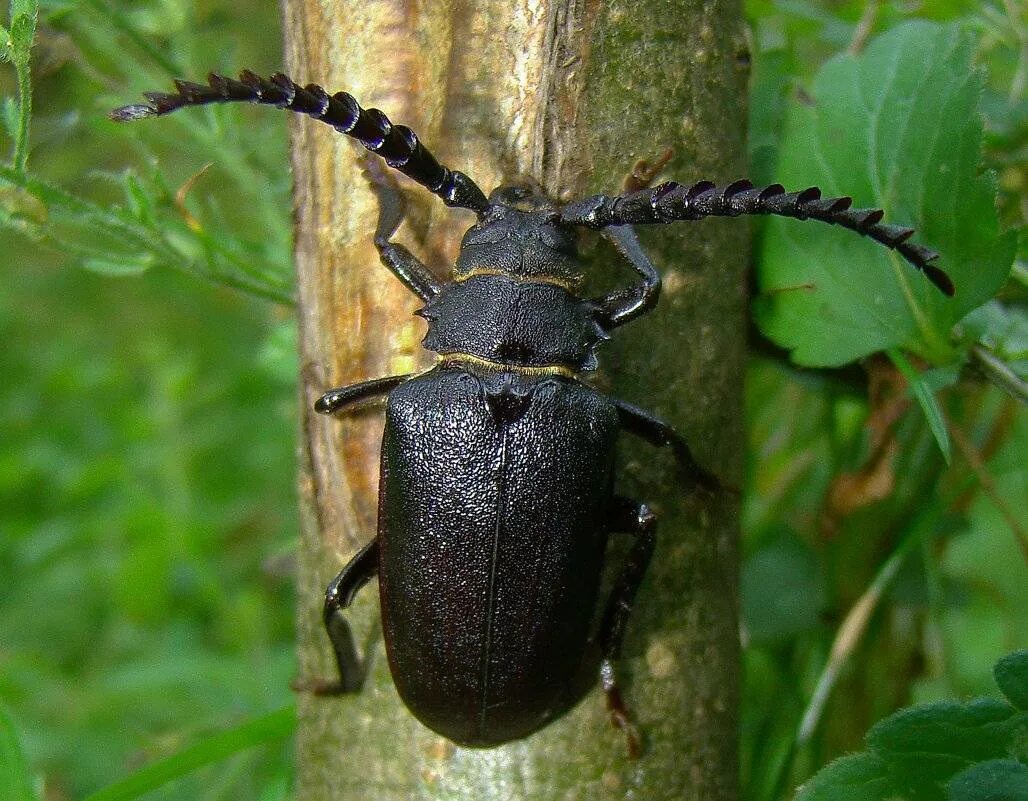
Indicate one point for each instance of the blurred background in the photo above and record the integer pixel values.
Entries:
(148, 424)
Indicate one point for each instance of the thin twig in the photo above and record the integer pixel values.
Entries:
(988, 486)
(864, 27)
(850, 633)
(999, 373)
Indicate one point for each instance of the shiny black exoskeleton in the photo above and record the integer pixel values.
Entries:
(497, 487)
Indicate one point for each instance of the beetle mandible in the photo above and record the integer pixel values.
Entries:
(496, 495)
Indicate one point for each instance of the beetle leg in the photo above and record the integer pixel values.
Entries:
(625, 304)
(401, 262)
(339, 595)
(635, 518)
(654, 430)
(345, 398)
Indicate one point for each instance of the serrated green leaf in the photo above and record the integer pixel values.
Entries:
(914, 754)
(15, 779)
(926, 400)
(995, 780)
(1011, 673)
(859, 777)
(897, 128)
(971, 732)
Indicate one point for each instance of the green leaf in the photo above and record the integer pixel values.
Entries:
(5, 44)
(26, 7)
(10, 112)
(140, 203)
(1011, 673)
(273, 726)
(926, 400)
(949, 730)
(916, 753)
(119, 268)
(859, 777)
(22, 33)
(996, 780)
(15, 779)
(897, 128)
(1001, 329)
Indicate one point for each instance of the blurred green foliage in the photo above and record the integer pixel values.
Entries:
(147, 413)
(147, 505)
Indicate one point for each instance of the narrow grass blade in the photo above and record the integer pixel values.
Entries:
(927, 401)
(273, 726)
(15, 779)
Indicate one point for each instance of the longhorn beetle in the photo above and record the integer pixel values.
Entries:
(496, 496)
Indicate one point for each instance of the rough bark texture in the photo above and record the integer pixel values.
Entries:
(572, 93)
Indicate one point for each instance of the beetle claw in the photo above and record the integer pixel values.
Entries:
(621, 720)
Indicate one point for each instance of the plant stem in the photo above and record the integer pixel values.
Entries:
(999, 373)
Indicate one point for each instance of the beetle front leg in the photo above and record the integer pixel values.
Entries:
(654, 430)
(401, 262)
(339, 595)
(634, 518)
(623, 305)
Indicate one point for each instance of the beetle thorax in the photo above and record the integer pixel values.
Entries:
(513, 324)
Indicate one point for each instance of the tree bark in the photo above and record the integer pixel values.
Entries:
(573, 94)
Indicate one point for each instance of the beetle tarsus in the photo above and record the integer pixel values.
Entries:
(621, 720)
(634, 518)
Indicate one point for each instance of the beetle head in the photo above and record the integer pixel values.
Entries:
(521, 234)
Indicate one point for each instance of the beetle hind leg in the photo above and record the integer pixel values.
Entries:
(339, 595)
(634, 518)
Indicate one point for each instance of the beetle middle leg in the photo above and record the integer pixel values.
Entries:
(654, 430)
(634, 518)
(339, 595)
(360, 570)
(353, 396)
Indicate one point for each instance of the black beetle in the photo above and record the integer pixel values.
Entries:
(497, 485)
